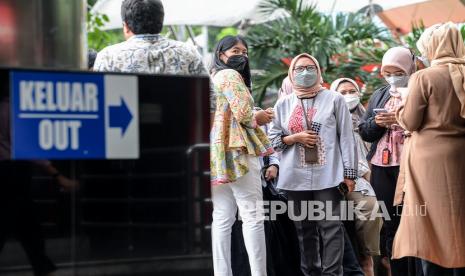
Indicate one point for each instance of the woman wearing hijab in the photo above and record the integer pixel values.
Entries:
(236, 142)
(309, 127)
(379, 127)
(434, 112)
(367, 228)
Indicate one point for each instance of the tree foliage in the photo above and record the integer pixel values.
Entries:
(342, 43)
(97, 38)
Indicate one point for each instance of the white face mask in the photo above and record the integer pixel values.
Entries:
(352, 101)
(397, 81)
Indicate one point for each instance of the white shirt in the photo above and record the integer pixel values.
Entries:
(337, 149)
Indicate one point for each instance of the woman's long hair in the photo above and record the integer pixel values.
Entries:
(223, 45)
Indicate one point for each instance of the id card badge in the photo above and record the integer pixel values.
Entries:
(311, 155)
(386, 156)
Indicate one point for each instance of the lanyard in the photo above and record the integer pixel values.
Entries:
(305, 112)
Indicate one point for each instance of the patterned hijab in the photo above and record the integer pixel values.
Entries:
(303, 92)
(443, 45)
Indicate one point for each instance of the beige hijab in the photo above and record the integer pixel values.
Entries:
(443, 44)
(303, 92)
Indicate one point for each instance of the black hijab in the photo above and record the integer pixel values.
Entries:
(223, 45)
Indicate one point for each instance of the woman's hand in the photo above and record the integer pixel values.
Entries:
(386, 119)
(350, 184)
(308, 138)
(271, 173)
(264, 117)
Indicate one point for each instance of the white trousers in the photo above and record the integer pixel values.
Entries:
(245, 194)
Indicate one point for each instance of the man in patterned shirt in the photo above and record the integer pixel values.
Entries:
(145, 50)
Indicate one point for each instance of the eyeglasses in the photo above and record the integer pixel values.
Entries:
(300, 69)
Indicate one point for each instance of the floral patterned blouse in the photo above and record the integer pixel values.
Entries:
(235, 132)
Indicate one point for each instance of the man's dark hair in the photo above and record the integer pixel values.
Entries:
(143, 16)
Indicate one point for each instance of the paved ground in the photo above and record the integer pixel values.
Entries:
(199, 265)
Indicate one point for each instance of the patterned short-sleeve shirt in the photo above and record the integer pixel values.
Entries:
(151, 54)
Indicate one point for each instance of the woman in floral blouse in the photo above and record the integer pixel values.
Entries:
(236, 144)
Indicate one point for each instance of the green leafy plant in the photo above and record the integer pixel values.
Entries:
(361, 63)
(412, 38)
(462, 30)
(227, 31)
(335, 41)
(98, 39)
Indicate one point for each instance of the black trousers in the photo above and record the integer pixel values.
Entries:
(321, 241)
(384, 180)
(17, 215)
(430, 269)
(351, 266)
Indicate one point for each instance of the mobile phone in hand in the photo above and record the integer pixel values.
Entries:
(343, 188)
(378, 111)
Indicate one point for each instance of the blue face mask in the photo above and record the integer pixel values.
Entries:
(306, 78)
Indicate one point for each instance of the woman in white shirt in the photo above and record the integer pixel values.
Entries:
(309, 127)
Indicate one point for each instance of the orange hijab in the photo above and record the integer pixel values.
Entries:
(305, 92)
